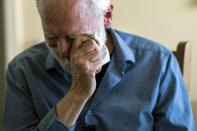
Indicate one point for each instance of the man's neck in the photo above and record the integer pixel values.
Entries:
(109, 44)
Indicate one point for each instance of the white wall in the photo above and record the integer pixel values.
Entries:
(13, 27)
(32, 25)
(164, 21)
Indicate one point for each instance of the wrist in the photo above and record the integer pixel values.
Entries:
(69, 108)
(79, 95)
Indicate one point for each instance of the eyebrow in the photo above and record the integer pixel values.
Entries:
(70, 36)
(49, 34)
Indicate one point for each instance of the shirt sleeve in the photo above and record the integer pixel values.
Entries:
(19, 113)
(173, 110)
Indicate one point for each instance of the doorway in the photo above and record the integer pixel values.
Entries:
(2, 60)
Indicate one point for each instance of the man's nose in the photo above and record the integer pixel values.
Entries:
(63, 47)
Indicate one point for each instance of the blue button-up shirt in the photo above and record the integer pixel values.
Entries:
(141, 90)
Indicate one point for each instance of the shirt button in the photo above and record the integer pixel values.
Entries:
(90, 113)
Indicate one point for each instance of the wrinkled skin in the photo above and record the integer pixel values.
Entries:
(60, 20)
(82, 53)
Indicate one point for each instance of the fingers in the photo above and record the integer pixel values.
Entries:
(85, 56)
(77, 43)
(96, 67)
(87, 68)
(92, 56)
(84, 48)
(88, 47)
(91, 68)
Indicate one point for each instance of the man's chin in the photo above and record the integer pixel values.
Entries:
(64, 62)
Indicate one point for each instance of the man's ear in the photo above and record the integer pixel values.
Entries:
(108, 16)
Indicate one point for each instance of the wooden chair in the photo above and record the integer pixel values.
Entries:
(183, 55)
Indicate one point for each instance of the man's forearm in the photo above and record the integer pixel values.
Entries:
(69, 108)
(85, 61)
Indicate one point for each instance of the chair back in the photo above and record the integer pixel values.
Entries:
(183, 54)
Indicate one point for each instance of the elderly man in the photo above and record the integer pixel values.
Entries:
(88, 76)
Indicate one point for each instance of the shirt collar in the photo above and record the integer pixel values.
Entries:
(51, 62)
(122, 46)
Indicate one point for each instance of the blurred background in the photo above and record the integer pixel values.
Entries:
(165, 21)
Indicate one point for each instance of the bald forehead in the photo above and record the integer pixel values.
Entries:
(69, 4)
(73, 15)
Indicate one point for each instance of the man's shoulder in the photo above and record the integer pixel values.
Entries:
(140, 43)
(36, 53)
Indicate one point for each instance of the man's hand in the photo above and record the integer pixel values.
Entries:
(85, 63)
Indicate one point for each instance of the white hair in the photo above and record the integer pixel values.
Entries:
(99, 7)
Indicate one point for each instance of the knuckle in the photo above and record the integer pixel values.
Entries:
(83, 64)
(83, 39)
(100, 62)
(85, 68)
(97, 51)
(79, 62)
(92, 41)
